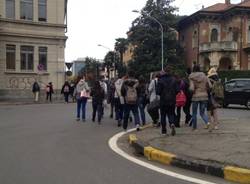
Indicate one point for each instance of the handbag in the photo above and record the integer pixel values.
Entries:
(154, 105)
(85, 94)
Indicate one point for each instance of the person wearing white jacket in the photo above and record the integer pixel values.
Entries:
(119, 100)
(154, 113)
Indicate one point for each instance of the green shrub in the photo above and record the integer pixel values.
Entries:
(232, 74)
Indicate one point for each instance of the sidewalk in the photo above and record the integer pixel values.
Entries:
(228, 146)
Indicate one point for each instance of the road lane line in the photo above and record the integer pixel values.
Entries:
(113, 145)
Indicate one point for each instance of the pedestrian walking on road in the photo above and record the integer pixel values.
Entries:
(199, 85)
(36, 91)
(214, 97)
(97, 94)
(142, 98)
(71, 90)
(129, 92)
(181, 99)
(66, 91)
(119, 100)
(81, 94)
(111, 96)
(154, 100)
(167, 89)
(49, 91)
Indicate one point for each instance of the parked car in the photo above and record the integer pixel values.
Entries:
(237, 91)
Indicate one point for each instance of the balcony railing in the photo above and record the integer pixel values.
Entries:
(218, 46)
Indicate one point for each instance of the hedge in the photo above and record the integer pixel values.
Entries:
(232, 74)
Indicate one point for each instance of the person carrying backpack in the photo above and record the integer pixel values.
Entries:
(66, 91)
(36, 90)
(167, 89)
(215, 95)
(130, 94)
(181, 100)
(49, 91)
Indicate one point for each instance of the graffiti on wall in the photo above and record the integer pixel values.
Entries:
(22, 82)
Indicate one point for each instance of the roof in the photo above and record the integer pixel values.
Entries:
(218, 7)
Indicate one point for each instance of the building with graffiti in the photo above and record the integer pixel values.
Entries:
(218, 36)
(32, 42)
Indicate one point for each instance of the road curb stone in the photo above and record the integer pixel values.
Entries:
(230, 173)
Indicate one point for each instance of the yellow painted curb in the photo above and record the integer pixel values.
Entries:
(132, 138)
(158, 155)
(236, 174)
(147, 152)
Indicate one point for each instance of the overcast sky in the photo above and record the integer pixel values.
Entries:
(93, 22)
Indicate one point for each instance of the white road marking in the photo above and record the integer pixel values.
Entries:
(115, 148)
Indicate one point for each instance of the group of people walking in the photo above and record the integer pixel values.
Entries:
(67, 90)
(164, 96)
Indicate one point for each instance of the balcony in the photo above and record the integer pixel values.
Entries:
(218, 46)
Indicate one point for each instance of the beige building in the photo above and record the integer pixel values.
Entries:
(32, 42)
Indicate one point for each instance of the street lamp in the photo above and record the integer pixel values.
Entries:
(162, 46)
(100, 45)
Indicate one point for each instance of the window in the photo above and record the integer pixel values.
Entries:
(10, 9)
(10, 57)
(214, 35)
(195, 39)
(230, 85)
(26, 9)
(27, 57)
(42, 10)
(43, 58)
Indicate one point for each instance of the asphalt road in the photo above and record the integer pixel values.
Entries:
(43, 144)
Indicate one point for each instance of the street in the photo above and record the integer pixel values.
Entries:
(43, 144)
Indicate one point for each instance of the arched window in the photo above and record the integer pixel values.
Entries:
(214, 35)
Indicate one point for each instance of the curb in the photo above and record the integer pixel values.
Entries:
(230, 173)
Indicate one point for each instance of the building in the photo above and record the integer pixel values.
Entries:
(218, 36)
(32, 42)
(78, 65)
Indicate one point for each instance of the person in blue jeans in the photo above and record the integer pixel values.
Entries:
(129, 92)
(81, 94)
(142, 89)
(199, 85)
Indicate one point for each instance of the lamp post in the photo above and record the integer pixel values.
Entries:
(100, 45)
(161, 27)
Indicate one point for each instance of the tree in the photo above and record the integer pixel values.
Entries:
(121, 45)
(91, 69)
(146, 37)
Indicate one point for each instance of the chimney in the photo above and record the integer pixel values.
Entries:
(227, 2)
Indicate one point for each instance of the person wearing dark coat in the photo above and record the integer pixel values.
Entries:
(167, 89)
(66, 91)
(49, 91)
(98, 95)
(36, 91)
